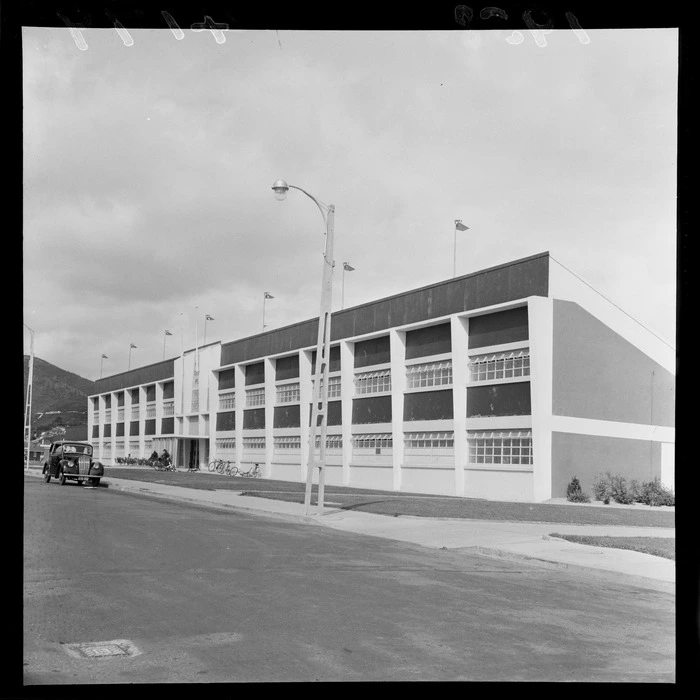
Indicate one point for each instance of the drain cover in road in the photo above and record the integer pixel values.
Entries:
(102, 650)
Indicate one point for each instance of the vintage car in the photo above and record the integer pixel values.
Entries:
(72, 460)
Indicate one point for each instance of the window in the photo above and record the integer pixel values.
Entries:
(169, 408)
(194, 405)
(151, 410)
(333, 387)
(95, 446)
(96, 417)
(372, 440)
(108, 415)
(373, 382)
(431, 374)
(255, 397)
(148, 447)
(430, 441)
(120, 415)
(119, 448)
(134, 413)
(500, 447)
(225, 443)
(107, 448)
(254, 443)
(133, 447)
(288, 393)
(333, 442)
(503, 365)
(287, 442)
(227, 402)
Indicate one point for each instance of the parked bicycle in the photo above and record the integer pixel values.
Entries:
(162, 465)
(253, 473)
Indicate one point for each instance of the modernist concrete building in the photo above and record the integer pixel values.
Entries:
(501, 384)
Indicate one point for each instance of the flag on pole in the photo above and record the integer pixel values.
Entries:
(105, 357)
(268, 295)
(348, 267)
(132, 346)
(460, 226)
(168, 333)
(208, 318)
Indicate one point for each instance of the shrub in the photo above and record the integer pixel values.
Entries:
(602, 489)
(654, 493)
(620, 491)
(574, 492)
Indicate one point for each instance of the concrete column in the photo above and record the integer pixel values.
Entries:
(305, 399)
(459, 328)
(270, 398)
(240, 404)
(142, 421)
(541, 332)
(397, 356)
(347, 390)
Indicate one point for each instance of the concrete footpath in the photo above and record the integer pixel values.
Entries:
(525, 542)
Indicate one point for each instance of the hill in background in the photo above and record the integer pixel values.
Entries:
(59, 399)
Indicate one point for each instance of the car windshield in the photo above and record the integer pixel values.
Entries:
(77, 449)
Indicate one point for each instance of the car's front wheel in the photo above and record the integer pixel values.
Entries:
(47, 473)
(61, 478)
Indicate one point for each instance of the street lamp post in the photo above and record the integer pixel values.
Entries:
(459, 226)
(28, 406)
(319, 413)
(131, 346)
(102, 359)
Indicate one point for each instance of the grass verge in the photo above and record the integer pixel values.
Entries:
(657, 546)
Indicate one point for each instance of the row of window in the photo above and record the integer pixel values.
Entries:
(505, 365)
(491, 447)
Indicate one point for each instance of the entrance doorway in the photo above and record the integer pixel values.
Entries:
(194, 455)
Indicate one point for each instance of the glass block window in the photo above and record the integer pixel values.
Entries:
(288, 393)
(372, 440)
(430, 374)
(119, 448)
(194, 407)
(500, 447)
(107, 449)
(255, 397)
(333, 442)
(333, 387)
(150, 410)
(444, 440)
(373, 382)
(95, 446)
(108, 415)
(254, 443)
(225, 443)
(134, 413)
(148, 447)
(287, 442)
(120, 415)
(133, 447)
(227, 402)
(503, 365)
(96, 417)
(169, 408)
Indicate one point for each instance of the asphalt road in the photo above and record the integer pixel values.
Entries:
(210, 596)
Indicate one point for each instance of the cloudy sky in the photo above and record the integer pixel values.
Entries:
(148, 168)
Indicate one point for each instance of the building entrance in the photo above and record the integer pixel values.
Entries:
(194, 455)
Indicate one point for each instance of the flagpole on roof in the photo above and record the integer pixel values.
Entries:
(349, 268)
(459, 226)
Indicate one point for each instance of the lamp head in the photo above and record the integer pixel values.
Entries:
(280, 188)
